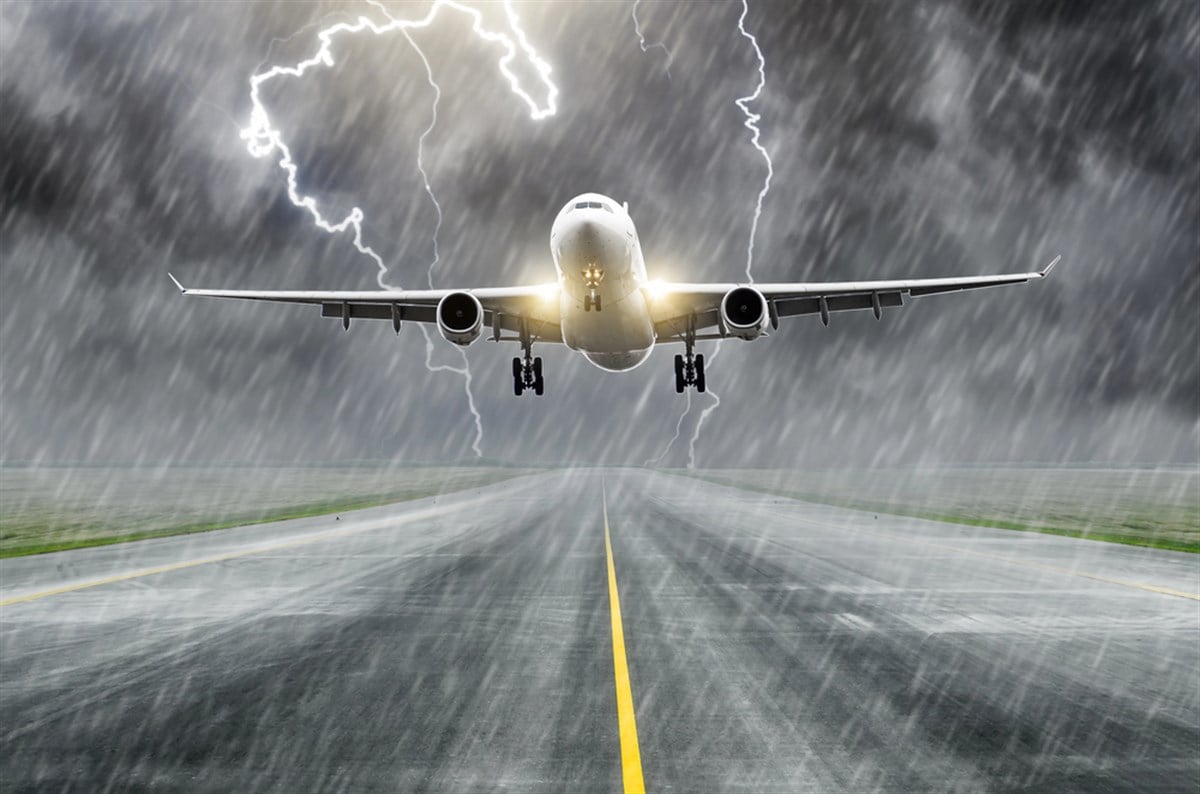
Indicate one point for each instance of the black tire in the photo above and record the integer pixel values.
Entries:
(596, 303)
(587, 303)
(700, 383)
(517, 368)
(539, 383)
(518, 386)
(679, 384)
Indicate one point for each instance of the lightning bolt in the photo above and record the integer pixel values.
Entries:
(674, 438)
(465, 369)
(637, 29)
(751, 124)
(263, 139)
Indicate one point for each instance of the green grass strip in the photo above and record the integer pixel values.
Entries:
(283, 514)
(1192, 547)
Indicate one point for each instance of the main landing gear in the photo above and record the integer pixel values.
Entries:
(527, 371)
(689, 368)
(689, 371)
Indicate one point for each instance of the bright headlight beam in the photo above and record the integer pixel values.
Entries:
(656, 289)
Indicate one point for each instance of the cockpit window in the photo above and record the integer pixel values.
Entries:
(593, 205)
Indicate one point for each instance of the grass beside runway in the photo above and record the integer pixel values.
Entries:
(55, 508)
(1153, 507)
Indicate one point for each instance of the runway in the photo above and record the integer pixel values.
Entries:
(466, 643)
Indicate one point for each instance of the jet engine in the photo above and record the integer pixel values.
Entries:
(460, 318)
(744, 313)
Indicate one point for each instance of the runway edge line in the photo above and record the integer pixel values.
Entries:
(631, 755)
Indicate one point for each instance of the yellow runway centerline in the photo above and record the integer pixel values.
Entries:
(631, 756)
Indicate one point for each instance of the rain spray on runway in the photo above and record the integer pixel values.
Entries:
(263, 139)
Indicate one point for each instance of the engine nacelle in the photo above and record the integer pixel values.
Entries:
(744, 313)
(460, 318)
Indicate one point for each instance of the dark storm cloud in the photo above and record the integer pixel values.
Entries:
(909, 139)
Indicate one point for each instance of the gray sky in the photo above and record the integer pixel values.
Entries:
(925, 138)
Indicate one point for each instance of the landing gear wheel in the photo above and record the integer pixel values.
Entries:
(689, 368)
(596, 303)
(527, 370)
(518, 377)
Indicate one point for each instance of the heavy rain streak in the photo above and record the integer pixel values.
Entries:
(952, 549)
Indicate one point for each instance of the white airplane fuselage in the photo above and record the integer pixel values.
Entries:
(602, 279)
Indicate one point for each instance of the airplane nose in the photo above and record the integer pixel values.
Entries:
(589, 232)
(589, 238)
(593, 243)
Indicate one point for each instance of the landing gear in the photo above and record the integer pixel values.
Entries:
(592, 276)
(689, 368)
(527, 370)
(690, 372)
(527, 374)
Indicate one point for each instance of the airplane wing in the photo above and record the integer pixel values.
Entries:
(680, 309)
(533, 310)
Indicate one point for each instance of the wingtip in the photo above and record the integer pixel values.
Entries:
(177, 284)
(1046, 270)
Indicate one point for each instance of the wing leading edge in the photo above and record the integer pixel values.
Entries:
(680, 309)
(514, 309)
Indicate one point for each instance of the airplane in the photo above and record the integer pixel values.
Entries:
(605, 307)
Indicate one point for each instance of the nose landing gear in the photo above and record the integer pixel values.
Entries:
(592, 276)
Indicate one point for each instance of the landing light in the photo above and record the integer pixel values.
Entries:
(656, 289)
(548, 291)
(592, 276)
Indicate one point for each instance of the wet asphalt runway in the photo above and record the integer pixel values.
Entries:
(467, 644)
